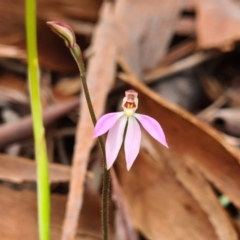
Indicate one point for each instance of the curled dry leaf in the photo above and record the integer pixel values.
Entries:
(217, 23)
(196, 152)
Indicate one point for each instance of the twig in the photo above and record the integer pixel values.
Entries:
(22, 129)
(178, 66)
(216, 104)
(179, 51)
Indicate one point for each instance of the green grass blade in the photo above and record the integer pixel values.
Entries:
(43, 190)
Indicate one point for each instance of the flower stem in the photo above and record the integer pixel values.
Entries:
(43, 192)
(105, 194)
(77, 54)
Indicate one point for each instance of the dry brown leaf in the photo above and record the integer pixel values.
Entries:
(187, 173)
(13, 82)
(85, 9)
(186, 26)
(67, 86)
(13, 89)
(179, 51)
(53, 53)
(189, 210)
(19, 170)
(19, 216)
(189, 137)
(217, 23)
(100, 80)
(7, 51)
(160, 208)
(144, 35)
(163, 209)
(11, 96)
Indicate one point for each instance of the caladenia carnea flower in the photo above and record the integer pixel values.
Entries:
(125, 124)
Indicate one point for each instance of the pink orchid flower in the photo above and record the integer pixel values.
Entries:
(116, 123)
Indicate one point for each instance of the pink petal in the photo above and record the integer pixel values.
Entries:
(152, 127)
(114, 140)
(105, 123)
(132, 141)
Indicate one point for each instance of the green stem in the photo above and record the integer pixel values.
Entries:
(106, 173)
(43, 192)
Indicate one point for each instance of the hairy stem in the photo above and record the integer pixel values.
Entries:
(106, 173)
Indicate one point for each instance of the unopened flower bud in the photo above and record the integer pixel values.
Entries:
(64, 31)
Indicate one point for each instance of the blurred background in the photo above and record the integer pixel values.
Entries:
(183, 57)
